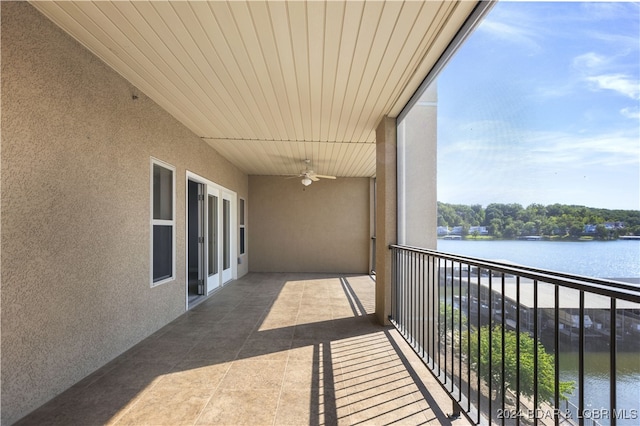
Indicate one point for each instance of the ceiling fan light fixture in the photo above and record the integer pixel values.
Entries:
(306, 181)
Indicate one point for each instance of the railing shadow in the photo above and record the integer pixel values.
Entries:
(359, 373)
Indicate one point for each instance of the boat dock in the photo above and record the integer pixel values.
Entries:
(597, 309)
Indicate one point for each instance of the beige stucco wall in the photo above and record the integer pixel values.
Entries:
(75, 168)
(417, 173)
(324, 228)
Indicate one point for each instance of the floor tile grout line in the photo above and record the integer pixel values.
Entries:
(213, 393)
(346, 349)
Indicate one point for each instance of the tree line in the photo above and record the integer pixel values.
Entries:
(555, 220)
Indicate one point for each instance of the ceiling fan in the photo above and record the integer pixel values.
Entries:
(308, 176)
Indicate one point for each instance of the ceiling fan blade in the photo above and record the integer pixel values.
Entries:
(325, 177)
(314, 178)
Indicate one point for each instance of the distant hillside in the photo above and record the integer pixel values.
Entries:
(513, 220)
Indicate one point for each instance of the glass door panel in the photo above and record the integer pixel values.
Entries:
(226, 239)
(213, 240)
(213, 235)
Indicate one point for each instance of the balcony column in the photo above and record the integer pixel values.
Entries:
(417, 141)
(386, 213)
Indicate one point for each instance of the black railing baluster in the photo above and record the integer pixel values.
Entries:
(425, 269)
(399, 286)
(518, 349)
(556, 352)
(581, 360)
(420, 313)
(415, 300)
(478, 367)
(613, 349)
(490, 372)
(535, 350)
(468, 365)
(460, 331)
(503, 388)
(412, 266)
(453, 329)
(444, 316)
(430, 297)
(437, 309)
(405, 297)
(404, 293)
(394, 284)
(434, 312)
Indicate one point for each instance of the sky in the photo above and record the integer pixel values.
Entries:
(542, 105)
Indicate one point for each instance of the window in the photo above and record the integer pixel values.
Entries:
(242, 229)
(162, 222)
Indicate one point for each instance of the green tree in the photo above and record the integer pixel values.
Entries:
(576, 229)
(530, 228)
(493, 370)
(495, 227)
(602, 232)
(512, 220)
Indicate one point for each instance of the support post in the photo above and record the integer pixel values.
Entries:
(386, 213)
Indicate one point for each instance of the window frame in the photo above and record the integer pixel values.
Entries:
(162, 222)
(242, 238)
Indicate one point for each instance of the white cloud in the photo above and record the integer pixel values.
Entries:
(543, 167)
(589, 60)
(620, 83)
(512, 27)
(596, 70)
(542, 149)
(633, 113)
(611, 10)
(576, 151)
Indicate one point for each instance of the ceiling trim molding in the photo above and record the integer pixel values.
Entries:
(284, 141)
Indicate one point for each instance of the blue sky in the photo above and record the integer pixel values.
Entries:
(542, 105)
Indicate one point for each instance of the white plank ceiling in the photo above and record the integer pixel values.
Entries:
(271, 83)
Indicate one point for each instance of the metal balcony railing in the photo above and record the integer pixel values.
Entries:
(517, 345)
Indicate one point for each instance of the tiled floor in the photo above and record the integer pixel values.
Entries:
(268, 349)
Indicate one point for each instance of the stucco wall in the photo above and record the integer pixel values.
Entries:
(324, 228)
(76, 146)
(417, 173)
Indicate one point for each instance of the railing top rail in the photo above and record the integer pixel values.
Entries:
(609, 288)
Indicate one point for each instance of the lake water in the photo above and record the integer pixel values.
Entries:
(602, 259)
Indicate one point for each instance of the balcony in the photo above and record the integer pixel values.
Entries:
(265, 349)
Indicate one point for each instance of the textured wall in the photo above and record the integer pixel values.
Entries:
(76, 147)
(322, 229)
(417, 173)
(386, 213)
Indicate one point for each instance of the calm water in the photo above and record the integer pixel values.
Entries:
(602, 259)
(606, 259)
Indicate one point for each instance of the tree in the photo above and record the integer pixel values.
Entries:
(575, 229)
(602, 232)
(496, 227)
(530, 228)
(511, 220)
(493, 372)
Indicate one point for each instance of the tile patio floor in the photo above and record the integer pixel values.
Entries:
(267, 349)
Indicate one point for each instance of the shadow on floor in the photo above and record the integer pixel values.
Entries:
(266, 349)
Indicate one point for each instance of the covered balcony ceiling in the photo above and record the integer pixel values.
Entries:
(269, 84)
